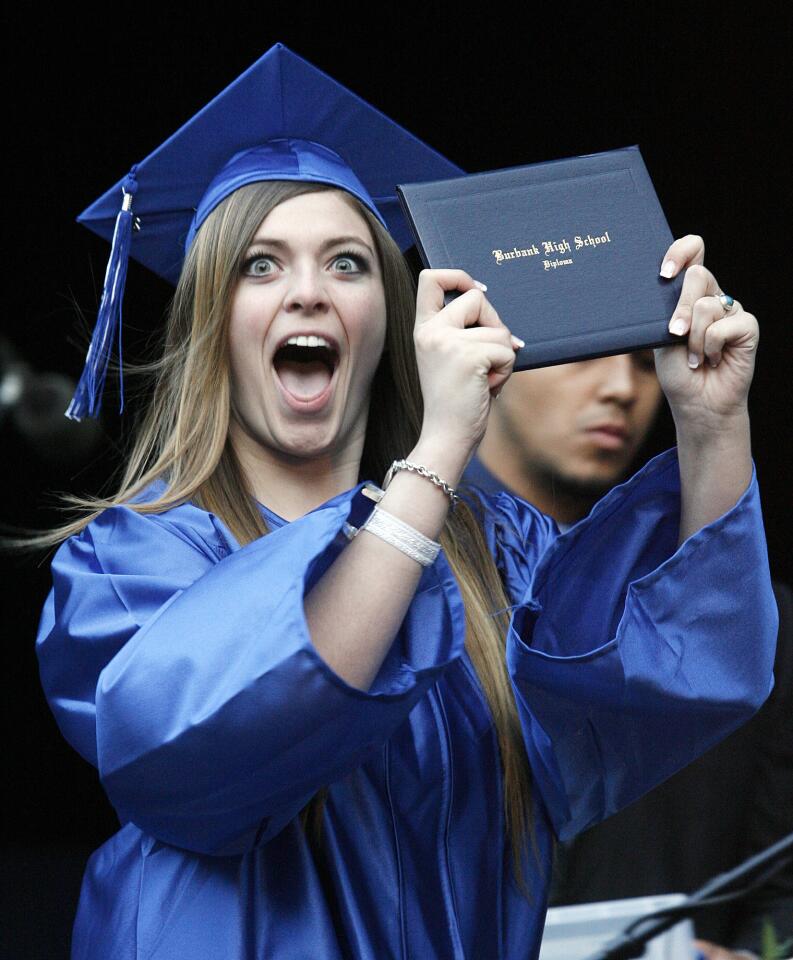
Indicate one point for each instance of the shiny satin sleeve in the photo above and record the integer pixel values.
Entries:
(187, 675)
(629, 656)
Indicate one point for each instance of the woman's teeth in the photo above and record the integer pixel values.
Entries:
(310, 341)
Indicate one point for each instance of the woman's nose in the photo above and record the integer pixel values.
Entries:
(306, 291)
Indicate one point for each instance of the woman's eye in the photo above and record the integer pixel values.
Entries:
(258, 266)
(347, 263)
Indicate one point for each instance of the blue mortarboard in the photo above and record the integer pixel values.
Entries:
(283, 119)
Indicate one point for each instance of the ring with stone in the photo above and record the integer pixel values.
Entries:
(726, 301)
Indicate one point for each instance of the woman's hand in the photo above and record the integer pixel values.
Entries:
(465, 356)
(707, 384)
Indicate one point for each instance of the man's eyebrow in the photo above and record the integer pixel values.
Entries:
(326, 244)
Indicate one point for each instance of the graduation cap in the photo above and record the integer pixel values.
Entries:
(283, 119)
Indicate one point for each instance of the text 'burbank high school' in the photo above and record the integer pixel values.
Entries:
(550, 247)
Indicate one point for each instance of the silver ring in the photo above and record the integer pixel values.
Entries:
(726, 301)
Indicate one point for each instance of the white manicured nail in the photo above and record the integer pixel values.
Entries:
(678, 326)
(668, 269)
(693, 361)
(517, 343)
(480, 286)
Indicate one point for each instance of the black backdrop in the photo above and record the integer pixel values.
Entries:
(704, 97)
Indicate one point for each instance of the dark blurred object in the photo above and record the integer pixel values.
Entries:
(34, 403)
(720, 889)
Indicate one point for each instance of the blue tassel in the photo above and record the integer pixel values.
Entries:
(87, 399)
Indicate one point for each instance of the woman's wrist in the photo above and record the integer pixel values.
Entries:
(418, 500)
(700, 427)
(726, 437)
(446, 459)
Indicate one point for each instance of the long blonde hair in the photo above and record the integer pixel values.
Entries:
(183, 439)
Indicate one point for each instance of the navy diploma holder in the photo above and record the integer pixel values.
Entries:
(570, 251)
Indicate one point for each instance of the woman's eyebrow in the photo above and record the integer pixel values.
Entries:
(326, 244)
(351, 238)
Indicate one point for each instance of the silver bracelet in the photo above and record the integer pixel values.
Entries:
(398, 465)
(401, 535)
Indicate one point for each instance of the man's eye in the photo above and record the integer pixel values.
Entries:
(644, 360)
(257, 265)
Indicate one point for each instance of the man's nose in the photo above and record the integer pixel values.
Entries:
(306, 291)
(617, 379)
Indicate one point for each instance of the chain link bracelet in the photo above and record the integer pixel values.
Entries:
(398, 465)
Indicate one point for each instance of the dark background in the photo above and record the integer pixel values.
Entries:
(706, 98)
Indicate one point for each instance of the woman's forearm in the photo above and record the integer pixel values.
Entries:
(357, 607)
(715, 470)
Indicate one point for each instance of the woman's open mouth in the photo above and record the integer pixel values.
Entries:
(304, 368)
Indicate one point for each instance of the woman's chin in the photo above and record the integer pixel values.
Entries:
(307, 447)
(307, 441)
(281, 434)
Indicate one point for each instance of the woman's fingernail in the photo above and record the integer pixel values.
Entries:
(693, 361)
(668, 269)
(678, 325)
(713, 361)
(517, 343)
(480, 286)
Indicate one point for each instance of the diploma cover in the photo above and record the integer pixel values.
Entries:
(570, 251)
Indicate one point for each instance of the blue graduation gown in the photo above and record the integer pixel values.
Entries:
(182, 667)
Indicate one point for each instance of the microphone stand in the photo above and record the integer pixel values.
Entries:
(632, 941)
